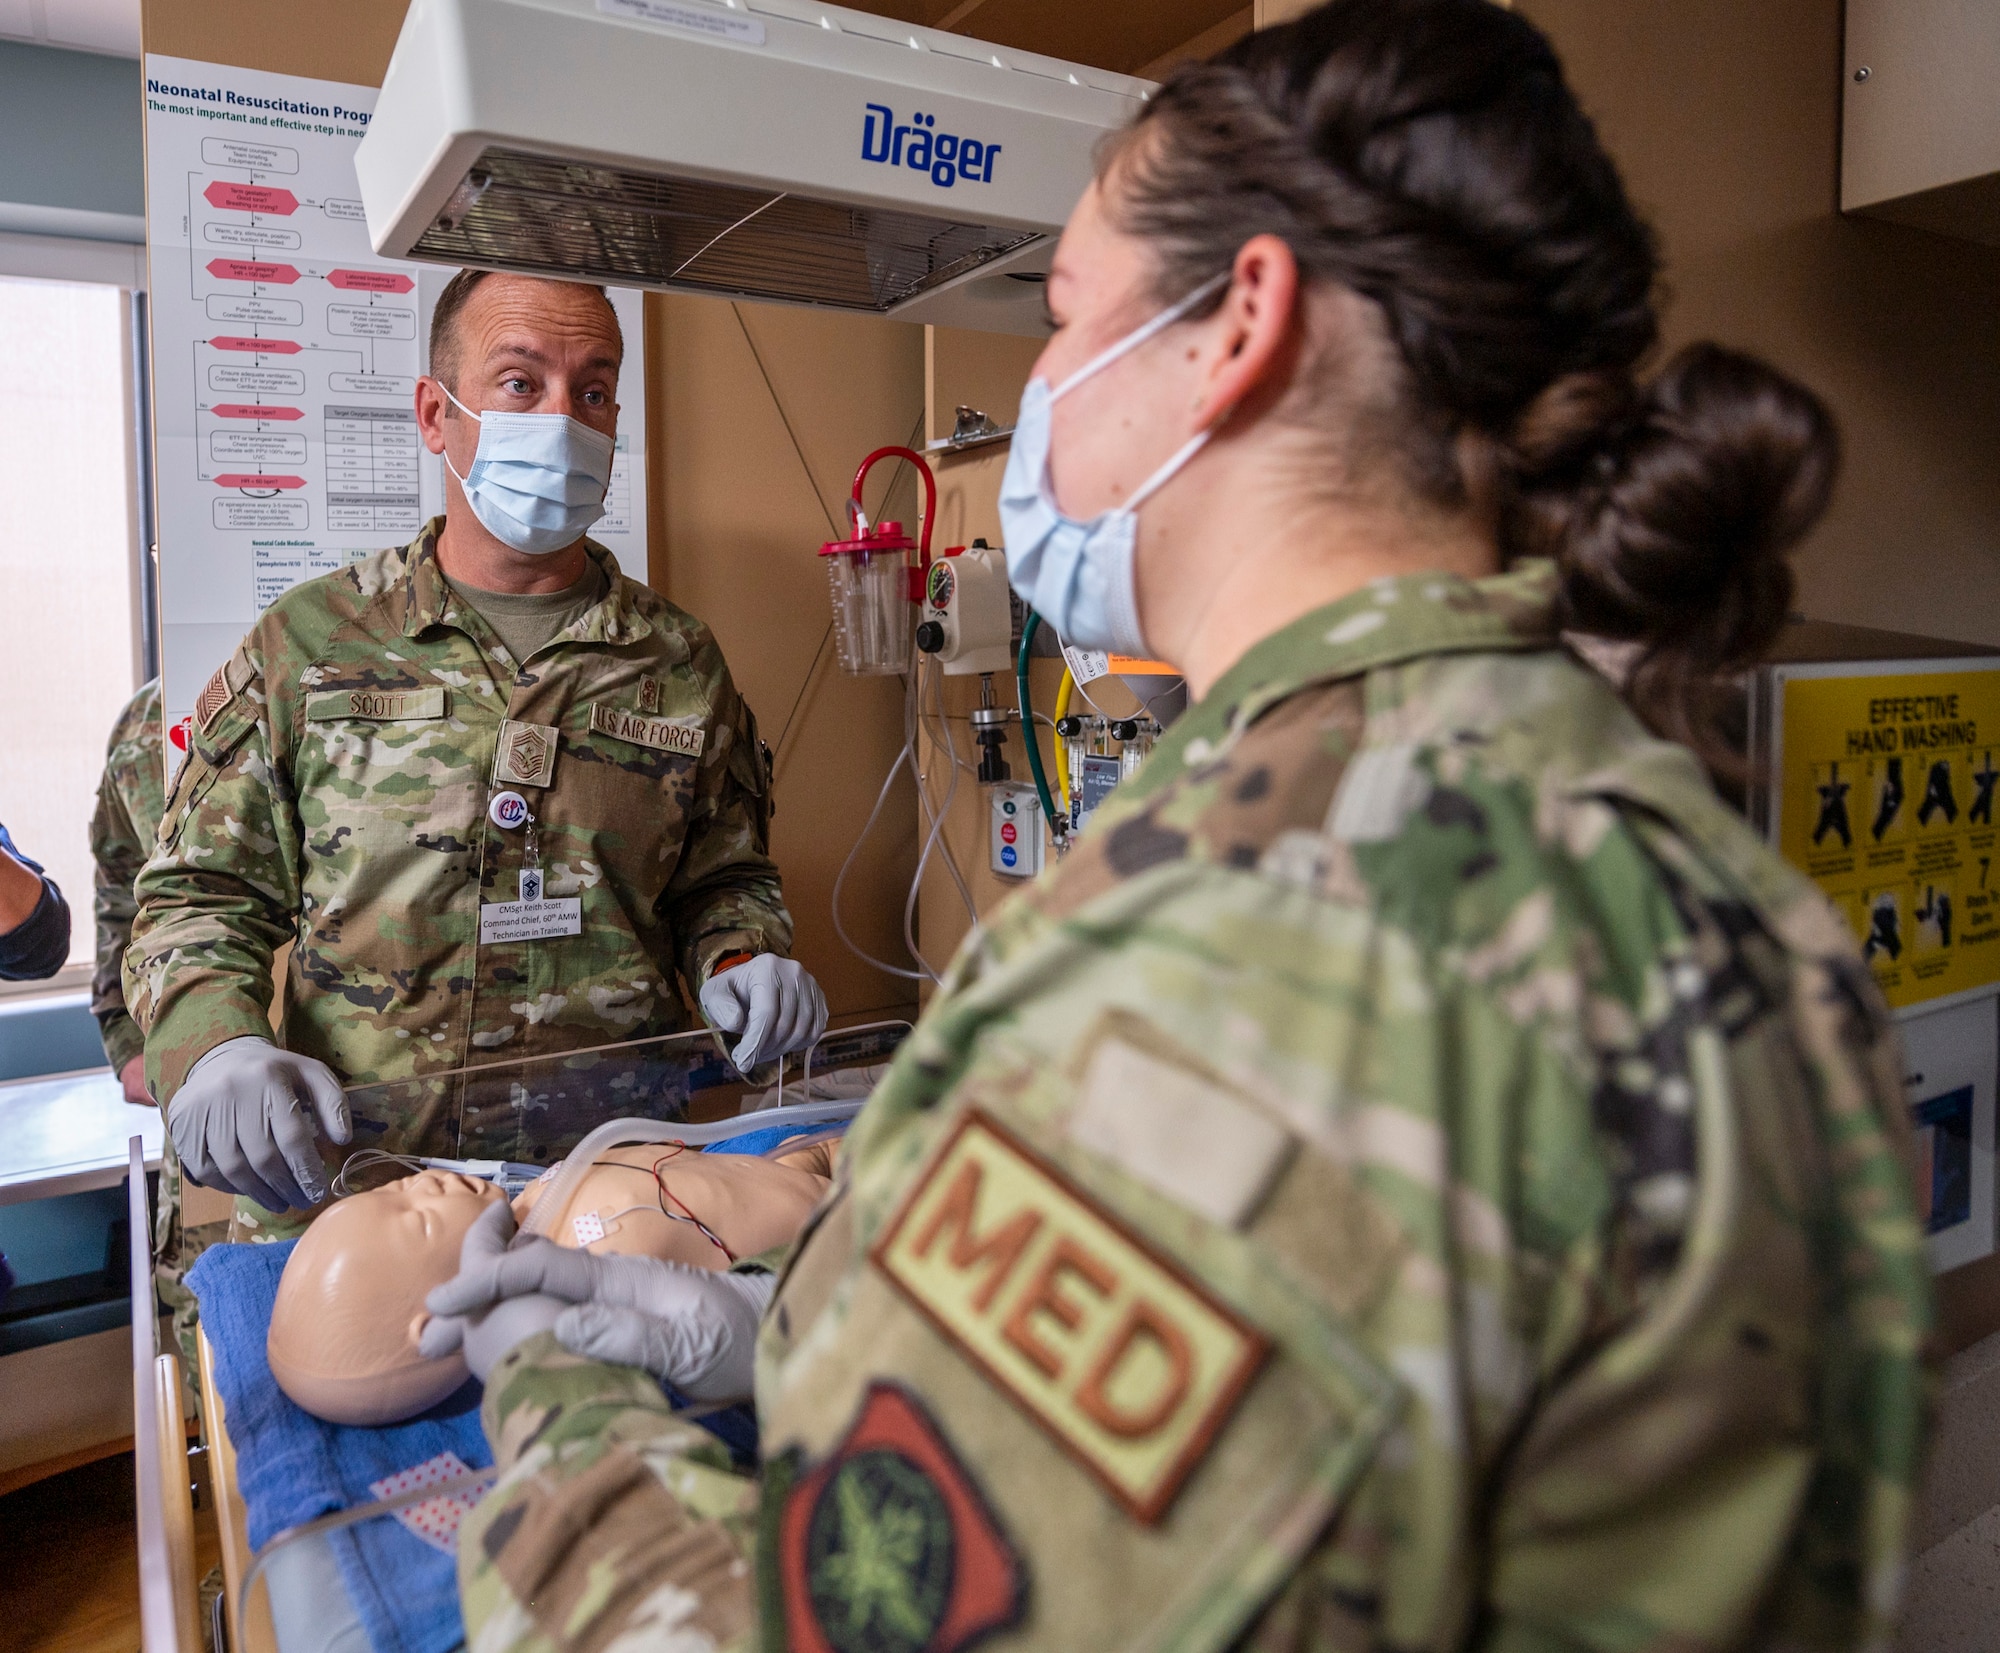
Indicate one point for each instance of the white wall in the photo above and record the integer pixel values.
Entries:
(68, 660)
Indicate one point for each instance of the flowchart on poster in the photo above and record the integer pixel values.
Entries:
(286, 354)
(286, 357)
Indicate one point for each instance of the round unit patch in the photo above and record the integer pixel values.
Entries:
(508, 810)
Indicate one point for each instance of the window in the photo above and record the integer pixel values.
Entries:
(69, 590)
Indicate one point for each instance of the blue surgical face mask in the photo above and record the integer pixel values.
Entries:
(538, 480)
(1081, 576)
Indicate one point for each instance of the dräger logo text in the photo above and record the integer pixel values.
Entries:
(920, 146)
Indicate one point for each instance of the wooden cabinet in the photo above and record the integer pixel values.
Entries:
(1920, 135)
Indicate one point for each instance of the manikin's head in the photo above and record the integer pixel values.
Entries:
(343, 1340)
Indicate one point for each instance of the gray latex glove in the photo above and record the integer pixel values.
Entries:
(772, 1002)
(243, 1122)
(691, 1327)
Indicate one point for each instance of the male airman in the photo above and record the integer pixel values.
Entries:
(505, 800)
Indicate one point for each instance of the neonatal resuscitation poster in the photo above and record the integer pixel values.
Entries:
(285, 361)
(1886, 797)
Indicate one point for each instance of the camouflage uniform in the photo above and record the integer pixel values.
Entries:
(131, 796)
(336, 794)
(1420, 1174)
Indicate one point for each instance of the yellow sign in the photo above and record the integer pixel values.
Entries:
(1109, 1346)
(1886, 800)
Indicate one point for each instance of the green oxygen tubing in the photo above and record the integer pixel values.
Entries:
(1058, 827)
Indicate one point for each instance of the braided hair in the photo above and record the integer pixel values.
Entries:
(1429, 157)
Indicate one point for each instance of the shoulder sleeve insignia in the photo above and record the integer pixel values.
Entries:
(888, 1546)
(220, 690)
(1130, 1364)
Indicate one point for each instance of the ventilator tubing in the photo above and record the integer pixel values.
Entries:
(616, 1133)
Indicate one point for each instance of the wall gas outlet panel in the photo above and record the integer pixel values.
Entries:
(1016, 836)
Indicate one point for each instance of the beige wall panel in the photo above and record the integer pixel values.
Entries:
(968, 491)
(349, 41)
(980, 370)
(740, 518)
(1725, 119)
(986, 371)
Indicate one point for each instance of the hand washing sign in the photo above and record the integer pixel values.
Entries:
(1885, 797)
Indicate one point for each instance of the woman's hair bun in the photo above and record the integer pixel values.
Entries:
(1429, 156)
(1671, 527)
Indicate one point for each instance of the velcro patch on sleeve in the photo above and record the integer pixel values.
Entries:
(220, 690)
(891, 1544)
(1125, 1360)
(1155, 1113)
(376, 705)
(663, 734)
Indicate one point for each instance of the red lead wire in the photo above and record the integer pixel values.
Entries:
(685, 1214)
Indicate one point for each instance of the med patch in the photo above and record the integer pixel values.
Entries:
(1122, 1357)
(888, 1545)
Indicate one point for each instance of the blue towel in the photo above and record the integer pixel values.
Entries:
(762, 1142)
(292, 1467)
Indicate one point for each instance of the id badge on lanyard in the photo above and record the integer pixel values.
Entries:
(531, 917)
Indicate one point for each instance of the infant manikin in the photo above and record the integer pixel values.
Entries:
(343, 1339)
(350, 1306)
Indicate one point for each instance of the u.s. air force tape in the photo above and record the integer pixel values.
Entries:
(663, 734)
